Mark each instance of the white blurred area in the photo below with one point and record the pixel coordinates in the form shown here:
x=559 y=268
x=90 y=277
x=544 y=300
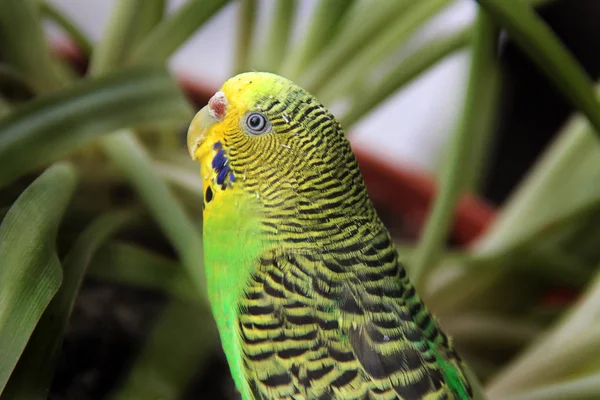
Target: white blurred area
x=410 y=129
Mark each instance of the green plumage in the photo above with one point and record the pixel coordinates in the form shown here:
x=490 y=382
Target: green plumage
x=305 y=283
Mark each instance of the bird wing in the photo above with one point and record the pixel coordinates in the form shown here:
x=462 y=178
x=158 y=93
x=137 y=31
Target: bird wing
x=341 y=327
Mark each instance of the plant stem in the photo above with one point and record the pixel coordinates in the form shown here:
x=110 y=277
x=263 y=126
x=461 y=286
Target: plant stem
x=545 y=49
x=84 y=44
x=407 y=70
x=451 y=183
x=278 y=36
x=390 y=38
x=324 y=22
x=174 y=30
x=245 y=32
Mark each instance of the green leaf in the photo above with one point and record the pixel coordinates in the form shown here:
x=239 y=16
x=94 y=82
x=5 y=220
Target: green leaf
x=131 y=265
x=268 y=56
x=245 y=33
x=23 y=43
x=30 y=271
x=556 y=197
x=177 y=346
x=130 y=22
x=546 y=50
x=460 y=160
x=357 y=29
x=182 y=178
x=149 y=15
x=54 y=125
x=32 y=377
x=562 y=183
x=130 y=157
x=379 y=47
x=402 y=74
x=323 y=25
x=174 y=30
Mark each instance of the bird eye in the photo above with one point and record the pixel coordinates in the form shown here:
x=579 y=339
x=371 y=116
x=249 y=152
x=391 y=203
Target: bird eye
x=256 y=123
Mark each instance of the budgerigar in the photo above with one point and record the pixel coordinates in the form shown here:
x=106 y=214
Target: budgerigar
x=304 y=281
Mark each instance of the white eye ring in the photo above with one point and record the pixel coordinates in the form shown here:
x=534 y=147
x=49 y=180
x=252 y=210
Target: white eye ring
x=256 y=123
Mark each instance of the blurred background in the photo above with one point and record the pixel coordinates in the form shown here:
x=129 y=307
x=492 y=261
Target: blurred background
x=475 y=124
x=420 y=120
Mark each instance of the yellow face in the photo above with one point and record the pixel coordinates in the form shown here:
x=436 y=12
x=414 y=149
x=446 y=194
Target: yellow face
x=264 y=140
x=219 y=122
x=251 y=132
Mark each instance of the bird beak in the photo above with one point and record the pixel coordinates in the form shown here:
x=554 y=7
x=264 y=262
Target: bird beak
x=198 y=130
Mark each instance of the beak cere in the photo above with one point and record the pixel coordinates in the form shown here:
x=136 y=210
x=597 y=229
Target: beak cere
x=209 y=115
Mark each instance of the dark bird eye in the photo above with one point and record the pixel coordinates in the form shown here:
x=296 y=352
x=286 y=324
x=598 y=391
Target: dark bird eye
x=256 y=123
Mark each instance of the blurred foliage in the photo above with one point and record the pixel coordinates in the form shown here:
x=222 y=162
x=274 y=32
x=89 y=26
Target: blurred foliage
x=79 y=153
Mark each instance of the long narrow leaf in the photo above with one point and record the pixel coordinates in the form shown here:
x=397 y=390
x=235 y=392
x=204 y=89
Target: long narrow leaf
x=545 y=49
x=278 y=36
x=380 y=46
x=52 y=126
x=126 y=152
x=150 y=14
x=452 y=182
x=357 y=29
x=323 y=24
x=129 y=156
x=30 y=271
x=405 y=72
x=174 y=30
x=245 y=32
x=24 y=44
x=119 y=36
x=32 y=377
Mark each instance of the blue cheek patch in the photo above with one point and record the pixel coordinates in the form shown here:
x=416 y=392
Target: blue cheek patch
x=221 y=166
x=222 y=175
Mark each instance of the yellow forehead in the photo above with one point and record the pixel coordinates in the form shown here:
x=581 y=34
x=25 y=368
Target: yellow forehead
x=243 y=90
